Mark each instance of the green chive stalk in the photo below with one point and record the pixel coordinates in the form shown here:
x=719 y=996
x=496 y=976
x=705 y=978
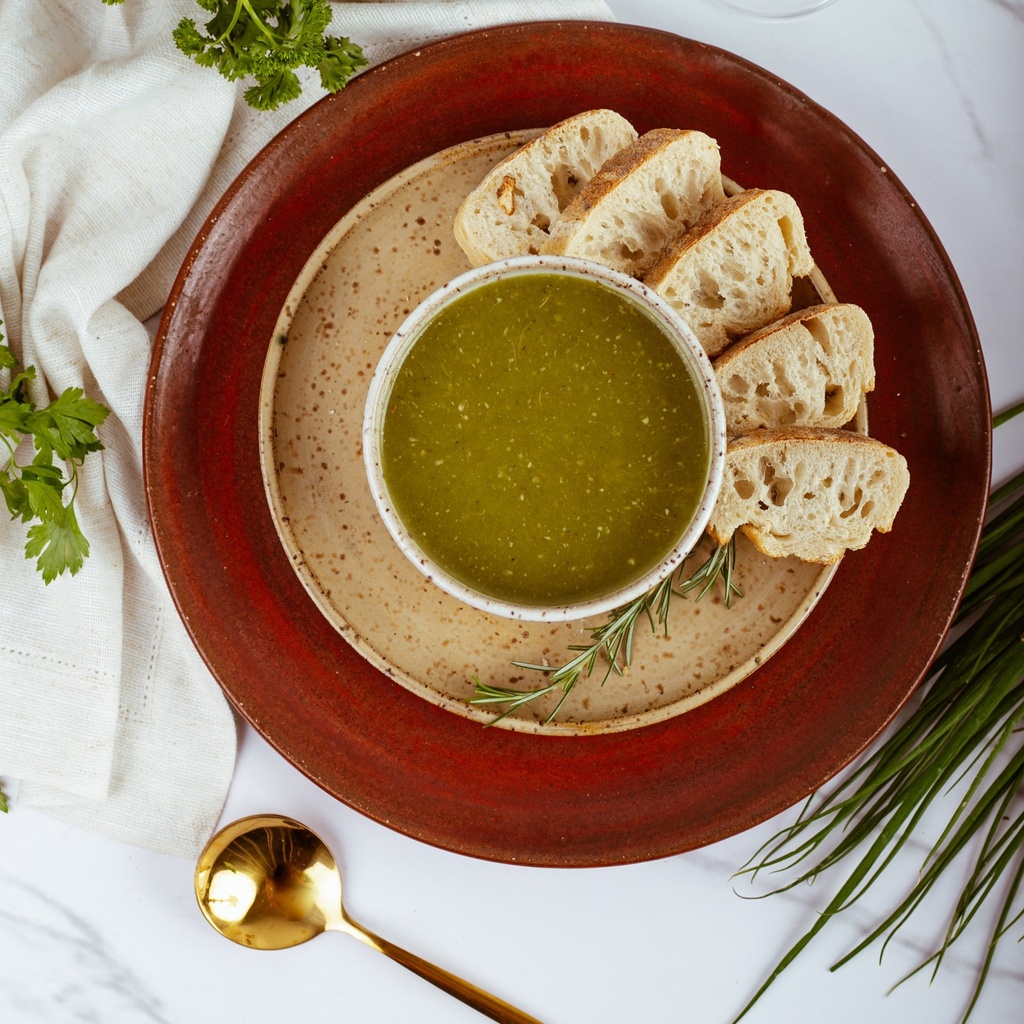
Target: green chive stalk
x=965 y=735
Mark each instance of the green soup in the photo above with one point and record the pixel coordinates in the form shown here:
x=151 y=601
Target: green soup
x=543 y=441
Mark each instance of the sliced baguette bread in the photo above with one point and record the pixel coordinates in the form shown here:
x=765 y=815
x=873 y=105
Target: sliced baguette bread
x=512 y=210
x=733 y=273
x=809 y=369
x=809 y=492
x=647 y=194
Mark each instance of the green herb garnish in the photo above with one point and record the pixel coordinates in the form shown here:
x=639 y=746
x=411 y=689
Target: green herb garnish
x=267 y=40
x=965 y=736
x=35 y=491
x=614 y=638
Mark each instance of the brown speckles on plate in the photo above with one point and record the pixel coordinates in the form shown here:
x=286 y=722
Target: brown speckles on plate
x=565 y=800
x=324 y=347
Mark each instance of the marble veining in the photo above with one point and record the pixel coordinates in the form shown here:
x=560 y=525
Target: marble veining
x=1012 y=7
x=952 y=69
x=93 y=930
x=55 y=968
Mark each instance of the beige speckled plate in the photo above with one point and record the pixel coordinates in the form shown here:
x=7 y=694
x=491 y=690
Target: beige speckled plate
x=379 y=262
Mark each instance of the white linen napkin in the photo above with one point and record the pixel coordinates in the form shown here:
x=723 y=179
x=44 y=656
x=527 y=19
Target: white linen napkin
x=113 y=149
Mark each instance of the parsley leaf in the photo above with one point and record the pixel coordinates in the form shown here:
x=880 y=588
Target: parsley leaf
x=58 y=544
x=68 y=424
x=65 y=429
x=267 y=40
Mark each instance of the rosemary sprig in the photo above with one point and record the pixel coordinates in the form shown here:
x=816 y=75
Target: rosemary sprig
x=614 y=638
x=965 y=735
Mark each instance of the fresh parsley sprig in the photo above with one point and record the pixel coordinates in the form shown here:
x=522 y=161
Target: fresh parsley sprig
x=267 y=40
x=64 y=430
x=614 y=638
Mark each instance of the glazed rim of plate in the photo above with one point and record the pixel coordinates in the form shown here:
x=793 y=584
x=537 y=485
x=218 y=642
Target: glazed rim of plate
x=501 y=795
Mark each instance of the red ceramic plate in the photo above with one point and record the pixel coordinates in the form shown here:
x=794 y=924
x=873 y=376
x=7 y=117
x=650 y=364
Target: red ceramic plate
x=505 y=795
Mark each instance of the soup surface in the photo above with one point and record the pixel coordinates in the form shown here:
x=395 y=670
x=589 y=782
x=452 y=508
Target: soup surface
x=543 y=441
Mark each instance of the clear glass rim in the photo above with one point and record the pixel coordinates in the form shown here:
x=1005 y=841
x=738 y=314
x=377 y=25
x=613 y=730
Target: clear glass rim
x=768 y=9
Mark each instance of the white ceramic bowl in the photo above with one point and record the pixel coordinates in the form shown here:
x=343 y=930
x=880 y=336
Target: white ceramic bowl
x=682 y=338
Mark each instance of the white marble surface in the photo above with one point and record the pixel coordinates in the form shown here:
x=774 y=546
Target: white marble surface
x=91 y=930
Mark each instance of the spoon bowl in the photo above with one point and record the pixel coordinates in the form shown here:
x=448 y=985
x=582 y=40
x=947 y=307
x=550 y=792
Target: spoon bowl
x=269 y=882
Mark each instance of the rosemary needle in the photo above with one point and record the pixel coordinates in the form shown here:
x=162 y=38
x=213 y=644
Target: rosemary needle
x=614 y=638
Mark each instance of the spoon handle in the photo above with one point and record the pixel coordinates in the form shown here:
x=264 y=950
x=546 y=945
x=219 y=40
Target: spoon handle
x=490 y=1006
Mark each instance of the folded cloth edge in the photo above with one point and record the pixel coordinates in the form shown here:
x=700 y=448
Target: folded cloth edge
x=385 y=29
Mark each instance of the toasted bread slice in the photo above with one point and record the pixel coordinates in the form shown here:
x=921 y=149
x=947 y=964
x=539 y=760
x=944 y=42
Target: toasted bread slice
x=733 y=273
x=808 y=369
x=512 y=210
x=809 y=492
x=647 y=194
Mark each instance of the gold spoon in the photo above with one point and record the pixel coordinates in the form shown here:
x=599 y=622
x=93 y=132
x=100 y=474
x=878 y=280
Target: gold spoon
x=269 y=882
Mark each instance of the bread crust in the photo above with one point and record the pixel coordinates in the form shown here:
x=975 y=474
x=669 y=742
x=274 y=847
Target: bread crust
x=616 y=170
x=512 y=210
x=812 y=367
x=622 y=218
x=811 y=492
x=733 y=272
